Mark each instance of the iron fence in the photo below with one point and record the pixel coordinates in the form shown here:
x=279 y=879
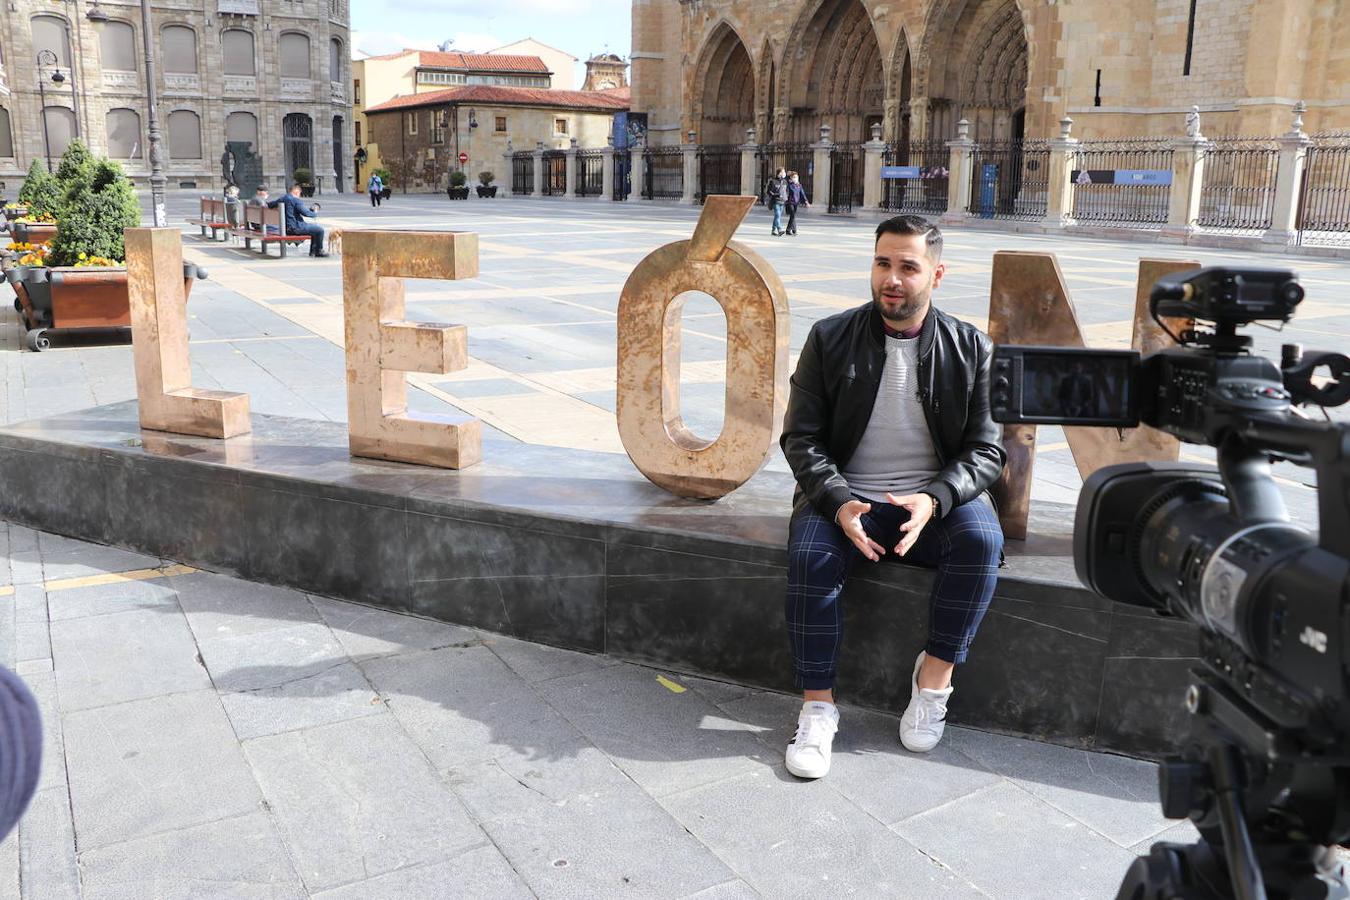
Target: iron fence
x=1010 y=179
x=555 y=173
x=1117 y=199
x=1237 y=187
x=719 y=170
x=590 y=173
x=798 y=157
x=925 y=195
x=846 y=177
x=522 y=173
x=623 y=175
x=663 y=173
x=1324 y=199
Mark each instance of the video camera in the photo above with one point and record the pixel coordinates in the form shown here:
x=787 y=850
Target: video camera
x=1266 y=778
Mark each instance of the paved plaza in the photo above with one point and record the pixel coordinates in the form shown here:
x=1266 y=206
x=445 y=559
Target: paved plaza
x=209 y=737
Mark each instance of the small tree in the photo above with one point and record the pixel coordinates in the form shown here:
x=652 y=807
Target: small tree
x=76 y=167
x=458 y=179
x=93 y=220
x=303 y=176
x=485 y=178
x=40 y=193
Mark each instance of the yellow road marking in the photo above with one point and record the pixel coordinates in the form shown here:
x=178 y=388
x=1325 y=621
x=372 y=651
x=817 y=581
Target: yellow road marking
x=670 y=685
x=6 y=590
x=65 y=584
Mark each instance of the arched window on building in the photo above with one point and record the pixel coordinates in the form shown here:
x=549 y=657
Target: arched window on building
x=6 y=135
x=185 y=135
x=117 y=47
x=124 y=134
x=335 y=60
x=51 y=33
x=60 y=121
x=242 y=126
x=179 y=44
x=294 y=55
x=236 y=46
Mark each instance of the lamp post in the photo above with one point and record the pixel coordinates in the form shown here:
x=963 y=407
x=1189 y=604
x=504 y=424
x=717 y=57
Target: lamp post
x=42 y=94
x=153 y=136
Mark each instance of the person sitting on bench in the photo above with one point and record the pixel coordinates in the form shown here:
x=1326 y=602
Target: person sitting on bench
x=259 y=198
x=296 y=212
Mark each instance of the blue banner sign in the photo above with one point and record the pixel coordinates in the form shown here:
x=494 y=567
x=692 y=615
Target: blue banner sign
x=900 y=172
x=1121 y=176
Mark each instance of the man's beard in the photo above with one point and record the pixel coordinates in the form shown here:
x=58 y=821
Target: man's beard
x=909 y=307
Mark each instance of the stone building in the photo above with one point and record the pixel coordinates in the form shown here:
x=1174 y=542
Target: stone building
x=272 y=74
x=420 y=137
x=605 y=72
x=1012 y=68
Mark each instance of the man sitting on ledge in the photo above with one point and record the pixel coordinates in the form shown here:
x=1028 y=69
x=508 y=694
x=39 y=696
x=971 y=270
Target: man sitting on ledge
x=295 y=220
x=889 y=435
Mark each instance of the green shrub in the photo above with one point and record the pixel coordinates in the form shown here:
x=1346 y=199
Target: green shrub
x=485 y=178
x=385 y=175
x=41 y=193
x=77 y=164
x=304 y=176
x=458 y=179
x=93 y=220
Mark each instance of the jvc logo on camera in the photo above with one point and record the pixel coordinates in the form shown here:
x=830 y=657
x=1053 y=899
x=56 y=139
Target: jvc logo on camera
x=1314 y=639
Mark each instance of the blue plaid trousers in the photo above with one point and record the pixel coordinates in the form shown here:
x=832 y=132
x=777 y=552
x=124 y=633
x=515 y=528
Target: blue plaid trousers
x=964 y=547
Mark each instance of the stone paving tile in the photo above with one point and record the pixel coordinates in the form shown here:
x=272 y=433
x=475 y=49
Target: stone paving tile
x=482 y=874
x=240 y=857
x=1114 y=795
x=788 y=838
x=575 y=826
x=9 y=867
x=539 y=662
x=103 y=599
x=333 y=694
x=150 y=766
x=381 y=805
x=221 y=606
x=666 y=742
x=463 y=705
x=124 y=656
x=43 y=686
x=93 y=560
x=366 y=632
x=270 y=659
x=48 y=867
x=1084 y=863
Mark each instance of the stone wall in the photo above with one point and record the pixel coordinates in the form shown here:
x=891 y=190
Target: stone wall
x=212 y=95
x=1250 y=62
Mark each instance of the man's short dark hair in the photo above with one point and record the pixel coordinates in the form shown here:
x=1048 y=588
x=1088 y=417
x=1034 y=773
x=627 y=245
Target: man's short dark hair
x=915 y=225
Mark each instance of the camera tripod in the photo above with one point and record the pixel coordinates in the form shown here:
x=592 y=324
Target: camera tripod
x=1265 y=811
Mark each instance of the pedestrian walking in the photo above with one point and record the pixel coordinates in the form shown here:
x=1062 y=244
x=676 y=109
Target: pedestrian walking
x=775 y=197
x=376 y=188
x=796 y=196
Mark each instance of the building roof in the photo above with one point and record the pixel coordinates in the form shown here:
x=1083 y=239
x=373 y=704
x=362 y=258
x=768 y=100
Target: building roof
x=615 y=100
x=473 y=62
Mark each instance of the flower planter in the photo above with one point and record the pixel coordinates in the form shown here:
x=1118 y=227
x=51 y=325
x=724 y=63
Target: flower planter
x=458 y=193
x=72 y=298
x=33 y=232
x=15 y=213
x=386 y=193
x=487 y=190
x=306 y=190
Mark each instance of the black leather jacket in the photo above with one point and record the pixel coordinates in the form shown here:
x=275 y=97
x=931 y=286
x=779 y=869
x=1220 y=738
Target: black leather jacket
x=835 y=387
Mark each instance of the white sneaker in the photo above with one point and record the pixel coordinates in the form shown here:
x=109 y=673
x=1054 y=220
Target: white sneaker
x=926 y=716
x=808 y=753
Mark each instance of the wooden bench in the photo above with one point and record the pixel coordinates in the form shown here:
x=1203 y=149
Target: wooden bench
x=267 y=226
x=212 y=219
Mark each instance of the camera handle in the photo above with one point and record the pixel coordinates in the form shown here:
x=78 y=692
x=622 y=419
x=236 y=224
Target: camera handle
x=1252 y=492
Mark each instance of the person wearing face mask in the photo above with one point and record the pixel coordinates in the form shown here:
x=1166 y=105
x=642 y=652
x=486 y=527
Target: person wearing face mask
x=775 y=197
x=889 y=435
x=796 y=196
